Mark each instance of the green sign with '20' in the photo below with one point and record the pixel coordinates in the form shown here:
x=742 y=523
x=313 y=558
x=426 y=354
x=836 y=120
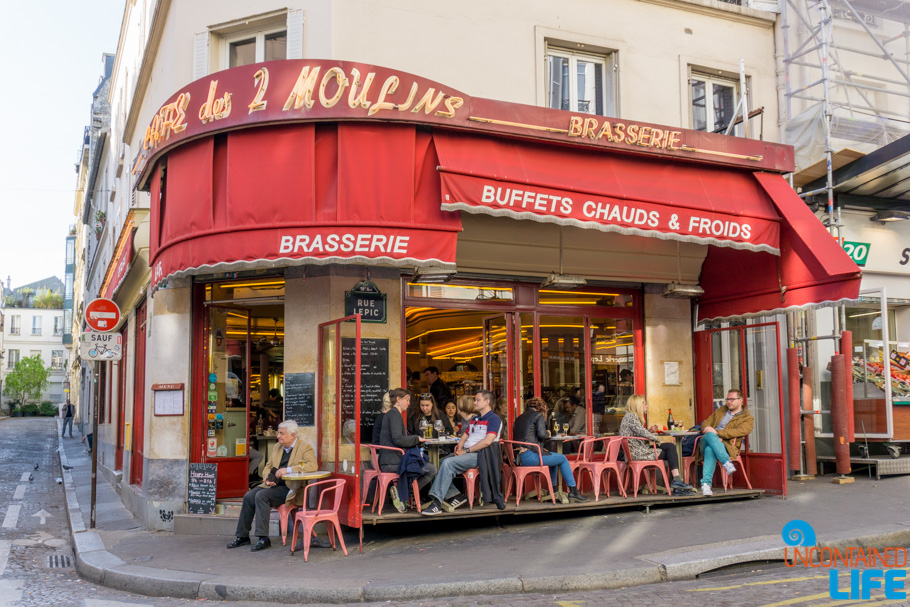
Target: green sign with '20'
x=858 y=251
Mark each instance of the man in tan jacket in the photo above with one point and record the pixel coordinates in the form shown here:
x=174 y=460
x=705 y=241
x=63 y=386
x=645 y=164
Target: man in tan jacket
x=289 y=455
x=723 y=434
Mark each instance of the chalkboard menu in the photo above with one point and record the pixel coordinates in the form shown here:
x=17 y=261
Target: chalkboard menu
x=374 y=381
x=200 y=497
x=300 y=398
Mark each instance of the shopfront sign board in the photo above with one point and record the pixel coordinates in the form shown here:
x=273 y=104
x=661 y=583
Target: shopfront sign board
x=366 y=299
x=101 y=346
x=200 y=493
x=102 y=315
x=168 y=399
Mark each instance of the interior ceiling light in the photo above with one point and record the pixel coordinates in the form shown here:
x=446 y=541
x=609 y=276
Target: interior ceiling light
x=885 y=216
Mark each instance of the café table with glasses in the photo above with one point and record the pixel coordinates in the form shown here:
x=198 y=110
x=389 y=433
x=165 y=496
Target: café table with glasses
x=558 y=441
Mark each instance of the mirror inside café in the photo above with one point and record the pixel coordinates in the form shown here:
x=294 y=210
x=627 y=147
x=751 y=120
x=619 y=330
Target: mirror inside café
x=245 y=351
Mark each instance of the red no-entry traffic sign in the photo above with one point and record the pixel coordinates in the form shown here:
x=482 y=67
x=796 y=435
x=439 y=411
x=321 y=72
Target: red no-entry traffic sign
x=102 y=315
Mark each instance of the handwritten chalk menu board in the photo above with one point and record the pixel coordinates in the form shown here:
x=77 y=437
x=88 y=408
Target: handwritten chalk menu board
x=374 y=381
x=300 y=398
x=200 y=495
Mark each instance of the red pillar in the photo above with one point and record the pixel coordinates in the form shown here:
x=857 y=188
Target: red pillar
x=793 y=392
x=839 y=414
x=846 y=348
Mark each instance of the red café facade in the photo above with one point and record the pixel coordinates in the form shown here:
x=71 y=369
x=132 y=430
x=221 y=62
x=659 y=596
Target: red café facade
x=287 y=195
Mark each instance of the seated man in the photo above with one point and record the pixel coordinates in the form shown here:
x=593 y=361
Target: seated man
x=722 y=437
x=483 y=429
x=289 y=455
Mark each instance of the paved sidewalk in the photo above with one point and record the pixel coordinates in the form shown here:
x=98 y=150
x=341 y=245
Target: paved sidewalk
x=458 y=558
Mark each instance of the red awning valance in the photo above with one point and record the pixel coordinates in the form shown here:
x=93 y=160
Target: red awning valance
x=607 y=192
x=812 y=270
x=295 y=194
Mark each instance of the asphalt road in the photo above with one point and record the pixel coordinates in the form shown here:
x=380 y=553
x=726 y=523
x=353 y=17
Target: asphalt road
x=36 y=556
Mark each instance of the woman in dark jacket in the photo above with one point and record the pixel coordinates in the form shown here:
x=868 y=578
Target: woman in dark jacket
x=425 y=410
x=531 y=427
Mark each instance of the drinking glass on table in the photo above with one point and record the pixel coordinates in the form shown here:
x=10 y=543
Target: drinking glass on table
x=422 y=427
x=440 y=428
x=565 y=429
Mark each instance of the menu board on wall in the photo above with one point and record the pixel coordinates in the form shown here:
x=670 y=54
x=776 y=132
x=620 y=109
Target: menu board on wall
x=200 y=495
x=374 y=381
x=300 y=398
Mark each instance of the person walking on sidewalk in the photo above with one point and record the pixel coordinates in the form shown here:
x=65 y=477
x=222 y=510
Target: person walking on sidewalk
x=483 y=430
x=722 y=437
x=289 y=455
x=69 y=412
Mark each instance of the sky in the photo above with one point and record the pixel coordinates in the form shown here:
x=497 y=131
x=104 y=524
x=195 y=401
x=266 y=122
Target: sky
x=45 y=103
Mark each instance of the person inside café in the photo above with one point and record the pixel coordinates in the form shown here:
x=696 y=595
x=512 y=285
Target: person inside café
x=633 y=425
x=482 y=431
x=450 y=415
x=425 y=413
x=438 y=388
x=722 y=437
x=290 y=455
x=578 y=417
x=394 y=434
x=531 y=427
x=272 y=409
x=598 y=406
x=377 y=422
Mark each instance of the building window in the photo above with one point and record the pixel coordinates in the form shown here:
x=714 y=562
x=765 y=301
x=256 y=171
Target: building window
x=56 y=359
x=36 y=325
x=580 y=82
x=15 y=325
x=13 y=359
x=248 y=48
x=34 y=353
x=58 y=325
x=713 y=103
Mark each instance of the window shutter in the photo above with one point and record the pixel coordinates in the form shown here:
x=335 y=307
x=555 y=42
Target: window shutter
x=295 y=33
x=200 y=55
x=610 y=86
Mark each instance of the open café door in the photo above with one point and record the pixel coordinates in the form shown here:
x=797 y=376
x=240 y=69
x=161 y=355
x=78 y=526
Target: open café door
x=339 y=410
x=499 y=364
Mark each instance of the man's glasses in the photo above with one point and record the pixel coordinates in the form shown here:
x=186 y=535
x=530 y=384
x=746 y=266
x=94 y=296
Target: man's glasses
x=732 y=399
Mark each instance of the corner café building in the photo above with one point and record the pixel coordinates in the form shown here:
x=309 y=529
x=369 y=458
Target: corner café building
x=289 y=196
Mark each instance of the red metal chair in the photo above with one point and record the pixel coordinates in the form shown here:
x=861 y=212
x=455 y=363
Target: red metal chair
x=308 y=519
x=598 y=468
x=727 y=479
x=646 y=467
x=520 y=473
x=690 y=462
x=383 y=480
x=285 y=511
x=471 y=478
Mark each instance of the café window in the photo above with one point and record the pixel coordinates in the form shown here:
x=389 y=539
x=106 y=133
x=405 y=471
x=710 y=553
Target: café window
x=713 y=103
x=581 y=82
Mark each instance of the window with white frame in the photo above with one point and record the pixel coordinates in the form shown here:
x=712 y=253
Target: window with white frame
x=56 y=359
x=713 y=103
x=58 y=325
x=35 y=353
x=36 y=325
x=15 y=324
x=12 y=359
x=247 y=48
x=581 y=82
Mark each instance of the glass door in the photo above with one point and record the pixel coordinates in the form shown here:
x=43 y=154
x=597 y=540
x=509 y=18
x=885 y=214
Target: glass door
x=339 y=393
x=226 y=414
x=499 y=366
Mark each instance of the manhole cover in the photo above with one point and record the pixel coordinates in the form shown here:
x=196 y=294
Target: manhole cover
x=59 y=561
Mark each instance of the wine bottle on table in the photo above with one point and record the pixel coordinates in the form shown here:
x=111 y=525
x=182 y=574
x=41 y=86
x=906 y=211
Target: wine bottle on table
x=669 y=419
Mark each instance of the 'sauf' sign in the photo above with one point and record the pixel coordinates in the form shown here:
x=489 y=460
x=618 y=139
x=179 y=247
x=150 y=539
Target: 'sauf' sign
x=101 y=346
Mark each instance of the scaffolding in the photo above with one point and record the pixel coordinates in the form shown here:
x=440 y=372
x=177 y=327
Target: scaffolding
x=846 y=85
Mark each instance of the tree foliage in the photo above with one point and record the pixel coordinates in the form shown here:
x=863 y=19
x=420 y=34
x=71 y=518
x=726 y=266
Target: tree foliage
x=48 y=300
x=28 y=379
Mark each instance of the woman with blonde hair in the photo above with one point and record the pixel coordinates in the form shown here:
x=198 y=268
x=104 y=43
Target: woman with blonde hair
x=633 y=425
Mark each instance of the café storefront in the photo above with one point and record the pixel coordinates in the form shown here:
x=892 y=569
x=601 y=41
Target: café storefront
x=527 y=250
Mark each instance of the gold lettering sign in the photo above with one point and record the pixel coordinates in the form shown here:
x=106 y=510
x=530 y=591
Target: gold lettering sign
x=215 y=108
x=620 y=132
x=171 y=118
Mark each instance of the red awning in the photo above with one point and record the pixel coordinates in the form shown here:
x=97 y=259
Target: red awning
x=812 y=268
x=607 y=192
x=301 y=194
